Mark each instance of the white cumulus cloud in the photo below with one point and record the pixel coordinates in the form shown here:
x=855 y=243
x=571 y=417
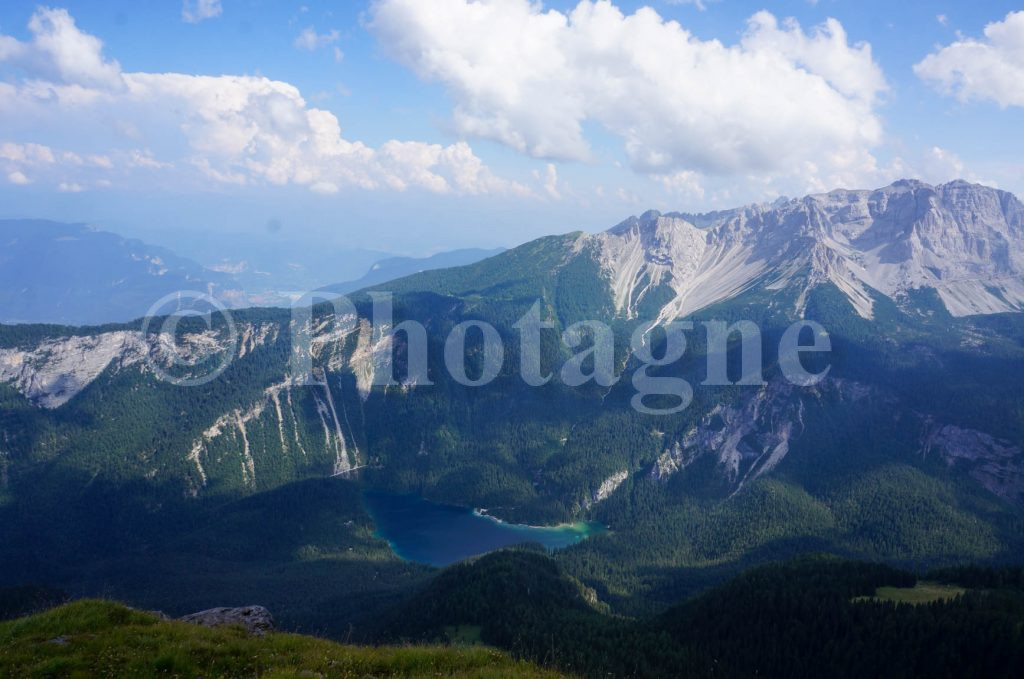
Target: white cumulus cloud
x=310 y=40
x=699 y=4
x=61 y=53
x=194 y=11
x=683 y=183
x=989 y=68
x=27 y=154
x=781 y=102
x=238 y=130
x=549 y=181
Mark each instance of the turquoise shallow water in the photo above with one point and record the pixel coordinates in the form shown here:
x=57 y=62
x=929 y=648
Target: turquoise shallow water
x=439 y=534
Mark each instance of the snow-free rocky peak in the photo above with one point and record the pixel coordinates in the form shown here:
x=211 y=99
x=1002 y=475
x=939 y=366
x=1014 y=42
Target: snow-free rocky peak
x=965 y=241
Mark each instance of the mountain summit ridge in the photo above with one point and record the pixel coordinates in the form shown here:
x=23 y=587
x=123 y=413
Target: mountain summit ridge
x=965 y=241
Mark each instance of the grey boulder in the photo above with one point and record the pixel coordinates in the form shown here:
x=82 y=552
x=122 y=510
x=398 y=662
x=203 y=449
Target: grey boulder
x=256 y=620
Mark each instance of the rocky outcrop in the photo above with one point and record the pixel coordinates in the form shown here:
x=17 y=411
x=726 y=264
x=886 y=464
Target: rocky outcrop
x=57 y=369
x=607 y=487
x=253 y=336
x=280 y=407
x=256 y=620
x=363 y=359
x=674 y=459
x=751 y=436
x=965 y=241
x=640 y=254
x=995 y=463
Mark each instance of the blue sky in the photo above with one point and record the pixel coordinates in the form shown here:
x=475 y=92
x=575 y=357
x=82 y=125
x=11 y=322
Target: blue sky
x=457 y=124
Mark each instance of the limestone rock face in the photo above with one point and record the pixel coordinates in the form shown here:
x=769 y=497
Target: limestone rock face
x=53 y=372
x=750 y=437
x=607 y=487
x=256 y=620
x=964 y=241
x=994 y=463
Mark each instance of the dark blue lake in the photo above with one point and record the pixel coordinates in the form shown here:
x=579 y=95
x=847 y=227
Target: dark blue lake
x=439 y=534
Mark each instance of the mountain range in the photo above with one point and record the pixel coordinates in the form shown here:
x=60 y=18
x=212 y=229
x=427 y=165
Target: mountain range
x=908 y=452
x=391 y=268
x=77 y=274
x=74 y=274
x=962 y=241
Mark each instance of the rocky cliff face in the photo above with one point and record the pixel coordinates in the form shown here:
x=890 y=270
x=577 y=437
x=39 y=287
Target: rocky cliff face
x=965 y=241
x=55 y=370
x=51 y=372
x=996 y=464
x=750 y=437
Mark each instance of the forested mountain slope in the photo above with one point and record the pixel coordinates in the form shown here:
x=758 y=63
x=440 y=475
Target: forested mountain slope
x=814 y=616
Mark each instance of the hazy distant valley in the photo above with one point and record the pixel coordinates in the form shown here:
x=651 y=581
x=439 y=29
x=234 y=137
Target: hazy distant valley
x=76 y=274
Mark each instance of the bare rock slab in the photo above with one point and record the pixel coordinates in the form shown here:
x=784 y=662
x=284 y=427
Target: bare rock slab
x=256 y=620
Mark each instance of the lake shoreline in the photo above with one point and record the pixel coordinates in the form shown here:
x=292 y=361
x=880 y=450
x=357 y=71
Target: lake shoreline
x=438 y=534
x=570 y=525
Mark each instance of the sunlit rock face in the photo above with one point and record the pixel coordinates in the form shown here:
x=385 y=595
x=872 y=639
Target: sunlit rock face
x=965 y=241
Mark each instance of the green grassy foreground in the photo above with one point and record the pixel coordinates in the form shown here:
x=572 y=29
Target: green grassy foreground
x=92 y=638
